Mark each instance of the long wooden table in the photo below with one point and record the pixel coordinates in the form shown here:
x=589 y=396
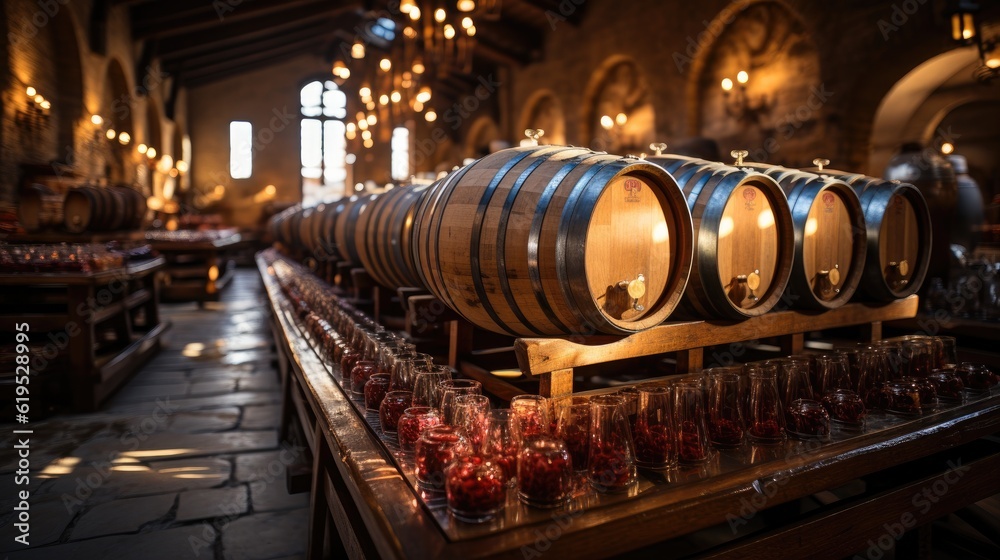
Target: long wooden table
x=745 y=502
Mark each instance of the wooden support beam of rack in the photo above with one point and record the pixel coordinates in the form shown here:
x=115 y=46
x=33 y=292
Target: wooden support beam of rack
x=538 y=356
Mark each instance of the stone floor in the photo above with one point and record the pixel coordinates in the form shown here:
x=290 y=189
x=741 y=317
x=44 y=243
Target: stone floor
x=183 y=462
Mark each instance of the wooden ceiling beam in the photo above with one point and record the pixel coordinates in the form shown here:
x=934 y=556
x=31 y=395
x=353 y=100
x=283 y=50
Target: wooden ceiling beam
x=224 y=35
x=168 y=18
x=194 y=76
x=250 y=46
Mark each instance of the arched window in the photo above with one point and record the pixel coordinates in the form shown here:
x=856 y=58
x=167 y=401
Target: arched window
x=324 y=172
x=400 y=153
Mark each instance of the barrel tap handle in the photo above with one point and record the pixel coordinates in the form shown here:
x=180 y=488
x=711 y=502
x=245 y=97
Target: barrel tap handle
x=739 y=155
x=902 y=268
x=820 y=163
x=832 y=277
x=658 y=148
x=534 y=134
x=636 y=289
x=752 y=281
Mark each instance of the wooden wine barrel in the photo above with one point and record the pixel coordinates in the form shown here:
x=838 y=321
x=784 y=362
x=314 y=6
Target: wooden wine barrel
x=383 y=237
x=550 y=240
x=305 y=230
x=899 y=235
x=744 y=238
x=285 y=225
x=133 y=209
x=89 y=209
x=830 y=237
x=346 y=227
x=332 y=214
x=39 y=207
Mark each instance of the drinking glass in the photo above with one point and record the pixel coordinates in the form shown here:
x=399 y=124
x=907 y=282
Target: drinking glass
x=689 y=416
x=611 y=458
x=653 y=431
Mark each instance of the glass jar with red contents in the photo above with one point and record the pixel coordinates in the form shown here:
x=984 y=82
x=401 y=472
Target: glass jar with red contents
x=412 y=423
x=392 y=408
x=875 y=372
x=765 y=423
x=725 y=412
x=902 y=397
x=845 y=407
x=977 y=377
x=611 y=461
x=501 y=443
x=948 y=384
x=653 y=432
x=807 y=419
x=689 y=417
x=529 y=416
x=476 y=488
x=544 y=472
x=926 y=390
x=360 y=374
x=347 y=360
x=436 y=449
x=631 y=396
x=375 y=390
x=573 y=427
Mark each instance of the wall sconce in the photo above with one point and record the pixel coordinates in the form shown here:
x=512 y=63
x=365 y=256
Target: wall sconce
x=35 y=113
x=737 y=100
x=615 y=128
x=966 y=30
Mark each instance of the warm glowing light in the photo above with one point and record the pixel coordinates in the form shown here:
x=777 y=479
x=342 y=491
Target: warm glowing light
x=151 y=153
x=124 y=138
x=466 y=5
x=415 y=13
x=418 y=67
x=607 y=122
x=369 y=143
x=340 y=70
x=365 y=91
x=370 y=105
x=45 y=104
x=383 y=99
x=366 y=135
x=395 y=97
x=350 y=134
x=63 y=465
x=471 y=31
x=726 y=227
x=742 y=77
x=621 y=119
x=449 y=31
x=32 y=92
x=141 y=148
x=812 y=226
x=466 y=22
x=385 y=64
x=359 y=187
x=993 y=62
x=439 y=15
x=182 y=166
x=765 y=219
x=350 y=159
x=363 y=124
x=157 y=453
x=219 y=190
x=424 y=95
x=661 y=233
x=418 y=106
x=947 y=148
x=360 y=116
x=39 y=98
x=430 y=115
x=372 y=119
x=270 y=190
x=213 y=273
x=358 y=49
x=727 y=84
x=110 y=134
x=98 y=120
x=173 y=172
x=350 y=127
x=967 y=34
x=406 y=5
x=409 y=32
x=154 y=203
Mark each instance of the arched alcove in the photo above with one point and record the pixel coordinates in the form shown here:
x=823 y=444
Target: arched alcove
x=543 y=110
x=68 y=98
x=616 y=88
x=483 y=131
x=117 y=109
x=777 y=113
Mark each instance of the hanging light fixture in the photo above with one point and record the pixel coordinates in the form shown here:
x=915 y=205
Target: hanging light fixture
x=966 y=30
x=358 y=49
x=466 y=5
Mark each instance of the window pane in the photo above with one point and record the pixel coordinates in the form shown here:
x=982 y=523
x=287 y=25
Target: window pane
x=335 y=104
x=334 y=153
x=312 y=143
x=310 y=94
x=400 y=154
x=240 y=149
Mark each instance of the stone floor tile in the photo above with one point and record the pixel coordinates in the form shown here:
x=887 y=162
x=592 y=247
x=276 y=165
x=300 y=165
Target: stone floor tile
x=271 y=495
x=183 y=543
x=266 y=536
x=122 y=516
x=261 y=417
x=215 y=502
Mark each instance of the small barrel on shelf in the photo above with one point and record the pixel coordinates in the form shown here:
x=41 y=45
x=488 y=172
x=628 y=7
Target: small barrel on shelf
x=830 y=237
x=88 y=208
x=345 y=229
x=744 y=238
x=555 y=240
x=39 y=208
x=898 y=240
x=134 y=207
x=383 y=237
